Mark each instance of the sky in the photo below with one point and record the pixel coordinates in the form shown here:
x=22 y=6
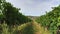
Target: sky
x=34 y=7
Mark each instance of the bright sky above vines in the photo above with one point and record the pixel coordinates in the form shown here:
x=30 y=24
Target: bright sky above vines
x=34 y=7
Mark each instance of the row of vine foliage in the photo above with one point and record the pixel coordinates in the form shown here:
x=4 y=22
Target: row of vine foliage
x=51 y=20
x=11 y=14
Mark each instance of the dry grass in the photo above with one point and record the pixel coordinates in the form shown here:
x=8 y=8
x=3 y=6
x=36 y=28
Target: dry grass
x=27 y=28
x=34 y=28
